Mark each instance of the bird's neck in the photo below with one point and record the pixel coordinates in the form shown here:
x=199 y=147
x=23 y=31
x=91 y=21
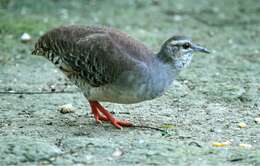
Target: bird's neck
x=162 y=76
x=167 y=60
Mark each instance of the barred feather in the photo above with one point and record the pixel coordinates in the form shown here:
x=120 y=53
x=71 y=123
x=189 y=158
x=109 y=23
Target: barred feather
x=95 y=55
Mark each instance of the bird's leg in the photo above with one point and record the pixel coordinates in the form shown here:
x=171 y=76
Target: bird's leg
x=107 y=116
x=98 y=117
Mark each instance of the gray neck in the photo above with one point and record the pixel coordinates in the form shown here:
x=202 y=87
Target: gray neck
x=164 y=70
x=164 y=58
x=162 y=75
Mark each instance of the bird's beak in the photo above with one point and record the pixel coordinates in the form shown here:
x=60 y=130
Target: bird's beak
x=199 y=48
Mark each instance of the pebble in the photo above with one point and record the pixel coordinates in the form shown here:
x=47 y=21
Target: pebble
x=53 y=88
x=67 y=108
x=25 y=38
x=141 y=141
x=257 y=120
x=117 y=153
x=177 y=18
x=242 y=125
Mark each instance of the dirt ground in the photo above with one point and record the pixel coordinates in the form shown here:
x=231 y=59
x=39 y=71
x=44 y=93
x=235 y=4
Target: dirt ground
x=205 y=105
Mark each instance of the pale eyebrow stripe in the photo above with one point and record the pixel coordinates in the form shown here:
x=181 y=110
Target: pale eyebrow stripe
x=180 y=42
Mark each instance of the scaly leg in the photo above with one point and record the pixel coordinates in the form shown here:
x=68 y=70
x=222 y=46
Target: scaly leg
x=101 y=114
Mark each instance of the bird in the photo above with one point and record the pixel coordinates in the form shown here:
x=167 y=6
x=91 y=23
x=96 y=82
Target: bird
x=109 y=65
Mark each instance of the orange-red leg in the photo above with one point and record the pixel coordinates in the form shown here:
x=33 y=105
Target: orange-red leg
x=98 y=117
x=101 y=114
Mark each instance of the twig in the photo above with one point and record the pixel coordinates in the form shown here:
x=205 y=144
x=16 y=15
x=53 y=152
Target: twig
x=236 y=159
x=32 y=93
x=149 y=127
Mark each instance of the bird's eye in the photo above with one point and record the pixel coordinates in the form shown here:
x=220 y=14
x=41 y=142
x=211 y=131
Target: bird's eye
x=186 y=45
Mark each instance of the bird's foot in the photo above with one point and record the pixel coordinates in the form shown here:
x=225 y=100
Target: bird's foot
x=120 y=123
x=101 y=114
x=99 y=117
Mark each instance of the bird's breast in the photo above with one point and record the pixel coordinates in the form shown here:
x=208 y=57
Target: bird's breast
x=130 y=87
x=126 y=90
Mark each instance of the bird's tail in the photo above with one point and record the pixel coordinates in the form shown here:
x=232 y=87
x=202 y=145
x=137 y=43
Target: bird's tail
x=36 y=50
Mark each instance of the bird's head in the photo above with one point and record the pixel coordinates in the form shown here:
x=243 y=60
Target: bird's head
x=178 y=50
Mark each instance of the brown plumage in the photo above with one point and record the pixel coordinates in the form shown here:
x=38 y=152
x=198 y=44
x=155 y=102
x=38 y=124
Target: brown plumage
x=98 y=55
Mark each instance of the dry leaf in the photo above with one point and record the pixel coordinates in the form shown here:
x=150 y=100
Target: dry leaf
x=167 y=126
x=221 y=144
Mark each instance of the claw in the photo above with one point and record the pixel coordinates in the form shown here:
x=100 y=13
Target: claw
x=119 y=124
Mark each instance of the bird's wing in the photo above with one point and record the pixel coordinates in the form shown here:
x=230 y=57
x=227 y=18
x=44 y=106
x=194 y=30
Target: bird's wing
x=96 y=58
x=99 y=59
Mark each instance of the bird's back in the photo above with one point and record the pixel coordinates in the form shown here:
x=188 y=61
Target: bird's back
x=55 y=38
x=99 y=54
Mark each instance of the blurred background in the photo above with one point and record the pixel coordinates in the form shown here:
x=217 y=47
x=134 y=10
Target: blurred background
x=207 y=104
